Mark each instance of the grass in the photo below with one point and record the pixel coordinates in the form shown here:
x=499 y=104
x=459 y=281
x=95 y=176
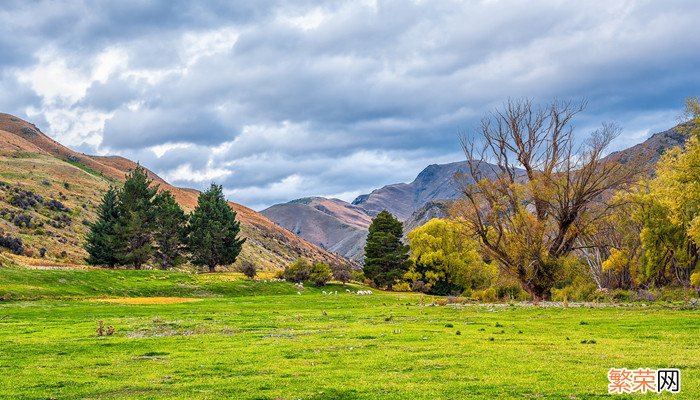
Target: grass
x=258 y=340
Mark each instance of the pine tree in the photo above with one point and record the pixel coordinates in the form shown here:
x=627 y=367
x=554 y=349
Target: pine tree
x=134 y=230
x=213 y=230
x=170 y=231
x=386 y=258
x=100 y=242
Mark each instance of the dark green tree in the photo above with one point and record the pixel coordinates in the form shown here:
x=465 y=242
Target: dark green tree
x=100 y=242
x=213 y=238
x=170 y=233
x=135 y=227
x=386 y=257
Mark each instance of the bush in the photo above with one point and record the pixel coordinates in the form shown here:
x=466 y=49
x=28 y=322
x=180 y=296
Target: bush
x=248 y=269
x=401 y=287
x=56 y=205
x=342 y=273
x=621 y=295
x=695 y=279
x=13 y=244
x=320 y=274
x=487 y=295
x=420 y=286
x=298 y=271
x=358 y=276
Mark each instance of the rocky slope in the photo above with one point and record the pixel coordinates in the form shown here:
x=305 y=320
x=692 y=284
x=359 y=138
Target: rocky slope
x=32 y=165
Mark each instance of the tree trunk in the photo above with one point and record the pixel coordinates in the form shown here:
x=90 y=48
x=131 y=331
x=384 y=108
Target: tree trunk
x=212 y=267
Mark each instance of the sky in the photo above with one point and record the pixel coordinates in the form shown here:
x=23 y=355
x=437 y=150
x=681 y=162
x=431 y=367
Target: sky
x=279 y=100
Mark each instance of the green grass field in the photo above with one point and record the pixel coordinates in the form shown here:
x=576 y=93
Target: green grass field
x=249 y=340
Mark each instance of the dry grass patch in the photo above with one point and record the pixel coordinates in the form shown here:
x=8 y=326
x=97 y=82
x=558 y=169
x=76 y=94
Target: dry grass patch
x=151 y=300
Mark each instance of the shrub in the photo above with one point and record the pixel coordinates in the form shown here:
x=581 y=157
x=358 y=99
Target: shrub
x=13 y=244
x=487 y=295
x=42 y=252
x=298 y=271
x=25 y=199
x=621 y=295
x=320 y=274
x=420 y=286
x=342 y=273
x=401 y=287
x=248 y=269
x=695 y=279
x=358 y=276
x=56 y=205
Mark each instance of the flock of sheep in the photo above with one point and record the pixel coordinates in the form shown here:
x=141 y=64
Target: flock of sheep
x=300 y=287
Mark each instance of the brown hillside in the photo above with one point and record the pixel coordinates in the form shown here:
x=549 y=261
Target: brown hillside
x=31 y=160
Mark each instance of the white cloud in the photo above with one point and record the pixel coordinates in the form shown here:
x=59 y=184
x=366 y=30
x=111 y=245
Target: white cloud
x=279 y=100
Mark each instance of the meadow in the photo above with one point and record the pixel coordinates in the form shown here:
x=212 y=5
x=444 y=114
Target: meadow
x=186 y=336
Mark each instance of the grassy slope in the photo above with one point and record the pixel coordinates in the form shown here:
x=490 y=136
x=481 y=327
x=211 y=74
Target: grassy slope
x=32 y=158
x=263 y=341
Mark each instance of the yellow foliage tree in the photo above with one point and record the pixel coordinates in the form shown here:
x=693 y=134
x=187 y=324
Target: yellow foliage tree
x=446 y=259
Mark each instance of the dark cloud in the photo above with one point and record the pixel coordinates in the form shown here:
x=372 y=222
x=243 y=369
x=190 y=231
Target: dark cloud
x=278 y=100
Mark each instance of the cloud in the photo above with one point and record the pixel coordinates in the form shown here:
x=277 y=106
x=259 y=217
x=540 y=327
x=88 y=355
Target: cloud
x=277 y=100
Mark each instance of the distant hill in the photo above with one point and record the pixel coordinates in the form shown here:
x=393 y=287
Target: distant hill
x=34 y=164
x=430 y=195
x=341 y=227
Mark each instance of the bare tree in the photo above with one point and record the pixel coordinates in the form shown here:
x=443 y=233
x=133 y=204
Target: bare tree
x=533 y=189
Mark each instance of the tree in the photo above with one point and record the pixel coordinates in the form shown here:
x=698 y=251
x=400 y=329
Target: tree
x=342 y=272
x=386 y=258
x=320 y=273
x=669 y=210
x=170 y=231
x=135 y=225
x=298 y=271
x=611 y=246
x=100 y=242
x=529 y=189
x=213 y=238
x=446 y=259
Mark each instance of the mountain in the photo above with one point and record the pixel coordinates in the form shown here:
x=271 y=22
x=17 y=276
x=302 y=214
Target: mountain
x=332 y=224
x=652 y=148
x=429 y=196
x=435 y=182
x=341 y=227
x=36 y=172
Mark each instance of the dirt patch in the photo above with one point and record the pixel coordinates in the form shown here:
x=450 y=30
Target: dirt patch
x=151 y=300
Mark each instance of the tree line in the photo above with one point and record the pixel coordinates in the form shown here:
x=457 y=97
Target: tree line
x=546 y=214
x=138 y=225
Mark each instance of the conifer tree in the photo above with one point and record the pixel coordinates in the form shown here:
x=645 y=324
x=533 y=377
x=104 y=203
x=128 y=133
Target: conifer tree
x=386 y=258
x=170 y=231
x=213 y=237
x=101 y=242
x=134 y=230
